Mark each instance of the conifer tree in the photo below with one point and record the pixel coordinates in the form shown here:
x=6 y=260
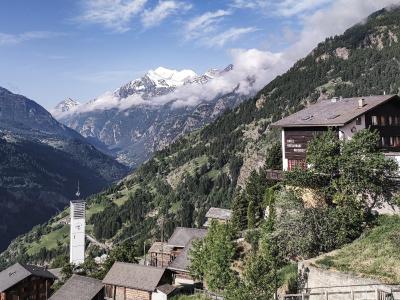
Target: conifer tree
x=239 y=211
x=251 y=215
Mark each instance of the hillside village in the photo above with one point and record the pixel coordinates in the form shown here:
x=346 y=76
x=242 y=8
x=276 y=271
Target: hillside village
x=293 y=194
x=327 y=147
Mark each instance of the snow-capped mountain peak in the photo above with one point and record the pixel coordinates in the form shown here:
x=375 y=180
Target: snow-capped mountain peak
x=64 y=106
x=143 y=90
x=212 y=73
x=141 y=117
x=171 y=78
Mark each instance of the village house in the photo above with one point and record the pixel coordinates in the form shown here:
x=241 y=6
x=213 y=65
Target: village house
x=183 y=238
x=80 y=287
x=174 y=254
x=22 y=281
x=137 y=282
x=220 y=215
x=345 y=116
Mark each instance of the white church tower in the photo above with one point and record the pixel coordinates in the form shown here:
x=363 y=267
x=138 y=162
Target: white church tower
x=77 y=233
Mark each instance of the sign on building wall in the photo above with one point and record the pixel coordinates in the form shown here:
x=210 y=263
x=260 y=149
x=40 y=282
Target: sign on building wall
x=296 y=143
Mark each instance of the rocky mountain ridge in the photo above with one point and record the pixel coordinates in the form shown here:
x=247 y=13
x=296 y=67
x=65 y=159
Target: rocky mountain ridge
x=41 y=161
x=135 y=120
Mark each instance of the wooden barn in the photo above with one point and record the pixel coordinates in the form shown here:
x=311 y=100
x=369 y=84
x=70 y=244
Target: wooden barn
x=220 y=215
x=137 y=282
x=22 y=281
x=161 y=254
x=183 y=238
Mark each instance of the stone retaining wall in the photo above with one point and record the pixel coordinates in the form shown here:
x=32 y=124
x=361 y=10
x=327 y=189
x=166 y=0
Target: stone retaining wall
x=318 y=280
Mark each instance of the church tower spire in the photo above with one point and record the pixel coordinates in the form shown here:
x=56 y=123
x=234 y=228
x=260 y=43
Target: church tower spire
x=77 y=230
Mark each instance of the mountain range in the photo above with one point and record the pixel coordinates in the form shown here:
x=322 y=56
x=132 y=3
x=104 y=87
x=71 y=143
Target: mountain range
x=41 y=162
x=207 y=167
x=146 y=114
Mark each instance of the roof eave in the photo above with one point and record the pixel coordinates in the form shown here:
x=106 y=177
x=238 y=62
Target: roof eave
x=129 y=286
x=178 y=269
x=311 y=125
x=277 y=125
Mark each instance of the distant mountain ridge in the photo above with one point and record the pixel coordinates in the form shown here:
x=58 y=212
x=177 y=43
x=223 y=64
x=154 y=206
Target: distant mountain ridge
x=41 y=161
x=141 y=117
x=64 y=107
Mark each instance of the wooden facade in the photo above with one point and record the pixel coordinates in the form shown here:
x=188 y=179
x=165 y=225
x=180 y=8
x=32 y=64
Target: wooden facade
x=297 y=139
x=296 y=143
x=125 y=293
x=134 y=282
x=162 y=260
x=162 y=255
x=386 y=120
x=32 y=288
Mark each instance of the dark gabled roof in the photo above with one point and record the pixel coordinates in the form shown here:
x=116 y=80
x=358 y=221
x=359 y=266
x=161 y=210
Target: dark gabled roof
x=166 y=288
x=219 y=213
x=188 y=235
x=182 y=236
x=56 y=272
x=17 y=272
x=78 y=288
x=182 y=262
x=331 y=113
x=134 y=276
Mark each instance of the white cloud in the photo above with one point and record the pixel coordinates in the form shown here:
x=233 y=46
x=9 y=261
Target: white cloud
x=253 y=68
x=204 y=29
x=205 y=23
x=12 y=39
x=163 y=10
x=253 y=4
x=113 y=14
x=263 y=66
x=333 y=20
x=286 y=8
x=229 y=35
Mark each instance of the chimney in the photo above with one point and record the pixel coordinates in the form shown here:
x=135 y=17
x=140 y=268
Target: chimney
x=334 y=99
x=361 y=103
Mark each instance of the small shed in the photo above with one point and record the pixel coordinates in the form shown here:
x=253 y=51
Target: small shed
x=161 y=254
x=80 y=287
x=134 y=282
x=22 y=281
x=217 y=214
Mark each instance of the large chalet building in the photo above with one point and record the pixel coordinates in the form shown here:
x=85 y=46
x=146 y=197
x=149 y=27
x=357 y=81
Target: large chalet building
x=345 y=116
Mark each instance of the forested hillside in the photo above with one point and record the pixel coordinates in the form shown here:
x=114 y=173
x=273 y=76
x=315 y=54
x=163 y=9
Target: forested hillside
x=207 y=167
x=41 y=162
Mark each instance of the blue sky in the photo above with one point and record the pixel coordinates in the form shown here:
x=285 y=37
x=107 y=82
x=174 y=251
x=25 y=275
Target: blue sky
x=53 y=49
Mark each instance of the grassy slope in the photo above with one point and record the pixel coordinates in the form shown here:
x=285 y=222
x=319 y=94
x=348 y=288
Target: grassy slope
x=376 y=254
